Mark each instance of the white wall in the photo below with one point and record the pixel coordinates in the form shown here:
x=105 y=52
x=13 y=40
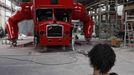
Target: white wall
x=4 y=14
x=120 y=10
x=3 y=1
x=2 y=18
x=26 y=26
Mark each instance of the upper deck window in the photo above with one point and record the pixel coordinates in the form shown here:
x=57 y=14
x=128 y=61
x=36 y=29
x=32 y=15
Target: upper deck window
x=54 y=1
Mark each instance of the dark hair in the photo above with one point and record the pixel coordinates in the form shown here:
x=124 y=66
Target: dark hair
x=113 y=73
x=102 y=57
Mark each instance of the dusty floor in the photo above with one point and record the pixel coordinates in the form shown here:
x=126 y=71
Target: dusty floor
x=28 y=61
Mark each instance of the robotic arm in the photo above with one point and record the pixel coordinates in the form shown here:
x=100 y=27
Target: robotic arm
x=24 y=13
x=80 y=13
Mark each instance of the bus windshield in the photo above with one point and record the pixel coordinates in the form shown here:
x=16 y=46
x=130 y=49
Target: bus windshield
x=61 y=15
x=43 y=14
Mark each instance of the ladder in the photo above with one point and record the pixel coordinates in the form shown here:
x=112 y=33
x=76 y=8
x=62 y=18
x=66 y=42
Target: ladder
x=129 y=30
x=130 y=34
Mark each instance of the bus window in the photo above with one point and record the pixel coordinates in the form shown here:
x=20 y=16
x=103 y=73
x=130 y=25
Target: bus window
x=61 y=15
x=43 y=14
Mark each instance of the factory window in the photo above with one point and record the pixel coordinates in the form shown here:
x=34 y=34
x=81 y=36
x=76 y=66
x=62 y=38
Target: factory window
x=61 y=15
x=43 y=14
x=54 y=1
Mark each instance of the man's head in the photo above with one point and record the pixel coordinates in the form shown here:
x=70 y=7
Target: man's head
x=102 y=58
x=113 y=73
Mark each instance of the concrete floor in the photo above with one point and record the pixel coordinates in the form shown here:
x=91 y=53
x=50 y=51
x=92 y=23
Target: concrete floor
x=28 y=61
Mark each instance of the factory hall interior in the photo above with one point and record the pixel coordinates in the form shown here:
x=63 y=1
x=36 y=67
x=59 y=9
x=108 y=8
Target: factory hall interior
x=66 y=37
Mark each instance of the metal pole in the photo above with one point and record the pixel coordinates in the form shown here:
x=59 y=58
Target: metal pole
x=99 y=11
x=125 y=40
x=4 y=18
x=116 y=13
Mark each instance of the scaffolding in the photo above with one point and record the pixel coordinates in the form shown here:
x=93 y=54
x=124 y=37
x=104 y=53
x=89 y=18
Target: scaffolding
x=104 y=14
x=124 y=2
x=6 y=9
x=129 y=24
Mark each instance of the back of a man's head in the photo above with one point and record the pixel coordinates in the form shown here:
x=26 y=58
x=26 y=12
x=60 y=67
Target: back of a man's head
x=113 y=73
x=102 y=57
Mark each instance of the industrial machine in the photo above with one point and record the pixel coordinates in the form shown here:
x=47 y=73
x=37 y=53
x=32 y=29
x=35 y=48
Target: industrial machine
x=52 y=21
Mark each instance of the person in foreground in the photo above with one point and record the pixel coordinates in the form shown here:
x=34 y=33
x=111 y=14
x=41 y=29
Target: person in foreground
x=102 y=58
